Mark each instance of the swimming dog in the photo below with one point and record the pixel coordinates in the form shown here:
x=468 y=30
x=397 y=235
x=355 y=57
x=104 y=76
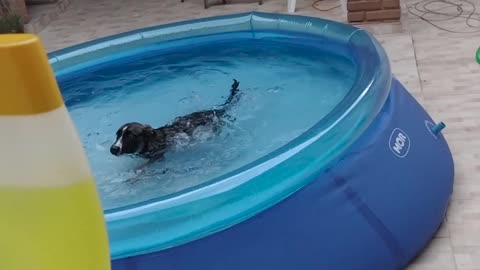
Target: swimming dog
x=144 y=141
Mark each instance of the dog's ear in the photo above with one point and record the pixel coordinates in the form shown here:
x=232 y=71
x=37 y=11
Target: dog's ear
x=148 y=131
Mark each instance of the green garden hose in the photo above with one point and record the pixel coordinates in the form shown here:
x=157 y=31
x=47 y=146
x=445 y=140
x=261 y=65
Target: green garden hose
x=478 y=55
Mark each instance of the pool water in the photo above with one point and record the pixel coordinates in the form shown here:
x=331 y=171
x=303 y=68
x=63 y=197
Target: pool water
x=285 y=88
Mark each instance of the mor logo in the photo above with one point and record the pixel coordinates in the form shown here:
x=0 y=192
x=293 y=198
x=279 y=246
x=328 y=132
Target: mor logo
x=399 y=143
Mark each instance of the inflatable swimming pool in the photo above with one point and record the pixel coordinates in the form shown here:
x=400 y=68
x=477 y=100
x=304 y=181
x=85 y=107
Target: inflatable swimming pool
x=365 y=187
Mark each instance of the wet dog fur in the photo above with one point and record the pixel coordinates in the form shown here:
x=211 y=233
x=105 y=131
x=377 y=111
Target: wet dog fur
x=152 y=143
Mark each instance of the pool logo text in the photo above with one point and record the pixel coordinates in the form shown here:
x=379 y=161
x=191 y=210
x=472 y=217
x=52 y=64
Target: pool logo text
x=399 y=143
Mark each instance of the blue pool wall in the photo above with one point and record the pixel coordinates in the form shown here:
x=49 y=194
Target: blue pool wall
x=373 y=208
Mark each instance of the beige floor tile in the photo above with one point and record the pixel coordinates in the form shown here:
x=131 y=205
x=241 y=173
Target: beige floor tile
x=464 y=211
x=448 y=67
x=397 y=46
x=467 y=257
x=437 y=256
x=464 y=234
x=399 y=49
x=443 y=232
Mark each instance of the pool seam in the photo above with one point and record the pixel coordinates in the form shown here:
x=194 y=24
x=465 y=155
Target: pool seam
x=370 y=217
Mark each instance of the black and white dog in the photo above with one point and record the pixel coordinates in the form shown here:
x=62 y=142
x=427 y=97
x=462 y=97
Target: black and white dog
x=144 y=141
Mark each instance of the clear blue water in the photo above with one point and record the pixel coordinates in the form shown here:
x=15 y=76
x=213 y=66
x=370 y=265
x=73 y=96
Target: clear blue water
x=285 y=90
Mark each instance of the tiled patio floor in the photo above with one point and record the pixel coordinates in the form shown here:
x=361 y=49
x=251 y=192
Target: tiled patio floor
x=437 y=66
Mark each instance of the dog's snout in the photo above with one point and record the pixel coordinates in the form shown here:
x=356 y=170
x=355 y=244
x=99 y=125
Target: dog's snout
x=115 y=150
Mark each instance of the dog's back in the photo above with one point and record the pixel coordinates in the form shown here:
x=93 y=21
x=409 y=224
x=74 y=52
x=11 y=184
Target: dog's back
x=190 y=122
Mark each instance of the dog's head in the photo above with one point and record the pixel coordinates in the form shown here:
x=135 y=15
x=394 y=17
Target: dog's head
x=131 y=138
